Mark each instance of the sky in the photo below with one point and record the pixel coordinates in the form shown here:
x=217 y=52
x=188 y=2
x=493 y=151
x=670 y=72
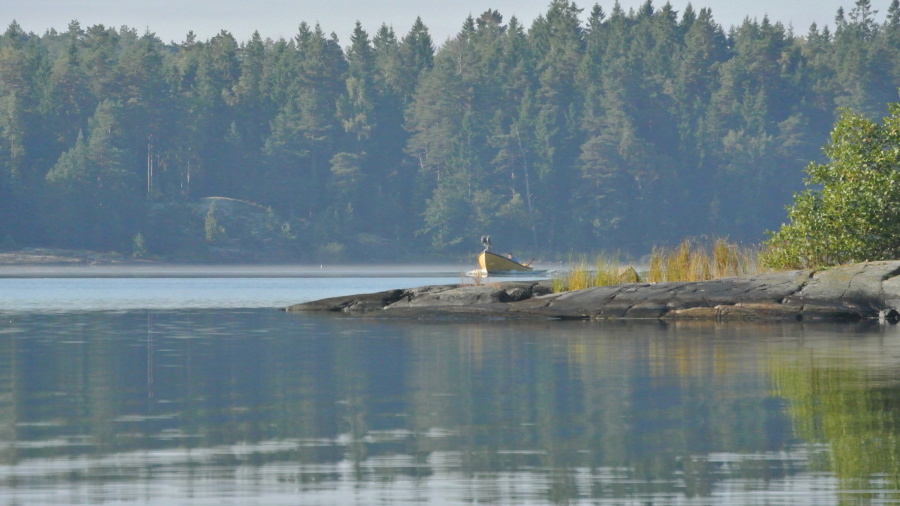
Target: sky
x=171 y=20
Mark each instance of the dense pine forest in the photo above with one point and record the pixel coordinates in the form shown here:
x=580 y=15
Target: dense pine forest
x=592 y=129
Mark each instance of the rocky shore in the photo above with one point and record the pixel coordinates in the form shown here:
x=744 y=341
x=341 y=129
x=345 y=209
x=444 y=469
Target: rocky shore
x=53 y=256
x=863 y=291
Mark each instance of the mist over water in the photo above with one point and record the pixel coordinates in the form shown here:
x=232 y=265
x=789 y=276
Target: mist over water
x=230 y=271
x=92 y=288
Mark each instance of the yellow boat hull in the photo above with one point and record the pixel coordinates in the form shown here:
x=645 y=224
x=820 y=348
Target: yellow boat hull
x=492 y=262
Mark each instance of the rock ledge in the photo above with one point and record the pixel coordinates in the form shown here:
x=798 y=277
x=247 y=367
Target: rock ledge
x=852 y=292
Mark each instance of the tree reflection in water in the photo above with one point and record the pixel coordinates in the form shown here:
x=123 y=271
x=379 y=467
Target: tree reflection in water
x=853 y=410
x=251 y=403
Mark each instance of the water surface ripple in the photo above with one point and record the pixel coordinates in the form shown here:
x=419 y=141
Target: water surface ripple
x=179 y=390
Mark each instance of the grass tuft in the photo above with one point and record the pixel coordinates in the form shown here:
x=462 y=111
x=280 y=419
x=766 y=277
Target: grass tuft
x=604 y=272
x=690 y=260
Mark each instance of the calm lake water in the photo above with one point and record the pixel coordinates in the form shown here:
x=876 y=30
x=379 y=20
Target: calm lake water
x=189 y=386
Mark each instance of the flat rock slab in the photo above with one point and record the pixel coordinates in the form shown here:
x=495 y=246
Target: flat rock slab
x=852 y=292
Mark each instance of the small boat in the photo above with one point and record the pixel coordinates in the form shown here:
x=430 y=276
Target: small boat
x=492 y=263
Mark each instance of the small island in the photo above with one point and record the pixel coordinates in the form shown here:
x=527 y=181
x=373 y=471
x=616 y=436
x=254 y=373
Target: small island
x=863 y=291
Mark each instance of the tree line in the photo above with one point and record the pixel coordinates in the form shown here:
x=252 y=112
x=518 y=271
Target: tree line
x=589 y=130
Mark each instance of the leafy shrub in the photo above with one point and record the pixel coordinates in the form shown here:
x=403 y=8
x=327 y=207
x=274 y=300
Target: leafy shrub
x=850 y=211
x=214 y=231
x=139 y=246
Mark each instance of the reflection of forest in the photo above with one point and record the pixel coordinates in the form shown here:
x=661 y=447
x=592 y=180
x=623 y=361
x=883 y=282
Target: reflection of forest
x=852 y=408
x=597 y=410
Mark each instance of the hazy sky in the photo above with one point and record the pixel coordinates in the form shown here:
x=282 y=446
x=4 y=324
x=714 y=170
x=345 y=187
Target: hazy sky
x=172 y=19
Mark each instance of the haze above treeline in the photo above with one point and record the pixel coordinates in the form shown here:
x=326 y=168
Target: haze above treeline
x=617 y=133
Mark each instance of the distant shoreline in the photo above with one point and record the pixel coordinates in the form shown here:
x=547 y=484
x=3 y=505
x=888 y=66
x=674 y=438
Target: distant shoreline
x=60 y=257
x=45 y=263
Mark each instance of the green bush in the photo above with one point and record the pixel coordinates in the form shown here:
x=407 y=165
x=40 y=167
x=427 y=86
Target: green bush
x=139 y=246
x=214 y=231
x=850 y=211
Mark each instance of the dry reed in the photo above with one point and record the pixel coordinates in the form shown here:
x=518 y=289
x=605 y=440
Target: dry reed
x=693 y=261
x=605 y=271
x=690 y=260
x=477 y=277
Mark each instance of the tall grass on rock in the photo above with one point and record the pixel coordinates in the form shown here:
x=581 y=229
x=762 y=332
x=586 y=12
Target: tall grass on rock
x=690 y=260
x=605 y=271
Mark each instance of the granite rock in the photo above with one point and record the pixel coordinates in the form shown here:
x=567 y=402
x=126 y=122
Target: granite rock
x=868 y=290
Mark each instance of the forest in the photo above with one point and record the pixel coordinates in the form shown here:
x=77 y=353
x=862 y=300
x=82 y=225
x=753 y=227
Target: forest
x=590 y=130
